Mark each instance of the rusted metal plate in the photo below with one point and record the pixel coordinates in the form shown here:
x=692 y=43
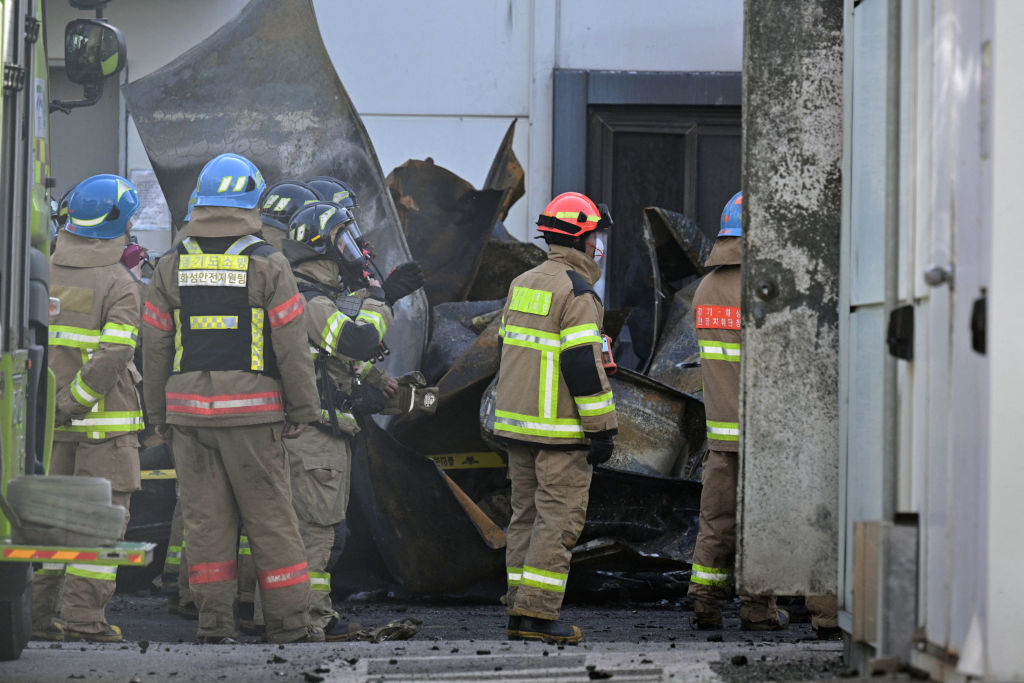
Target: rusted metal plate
x=423 y=535
x=677 y=360
x=506 y=174
x=215 y=98
x=446 y=222
x=660 y=429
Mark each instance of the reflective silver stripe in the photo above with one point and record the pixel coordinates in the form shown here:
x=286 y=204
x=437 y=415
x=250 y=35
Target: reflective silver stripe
x=242 y=243
x=711 y=576
x=593 y=334
x=71 y=336
x=569 y=429
x=540 y=578
x=53 y=566
x=533 y=339
x=597 y=405
x=233 y=403
x=110 y=421
x=723 y=431
x=549 y=383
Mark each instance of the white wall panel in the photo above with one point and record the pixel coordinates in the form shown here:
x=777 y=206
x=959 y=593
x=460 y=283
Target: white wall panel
x=438 y=57
x=646 y=35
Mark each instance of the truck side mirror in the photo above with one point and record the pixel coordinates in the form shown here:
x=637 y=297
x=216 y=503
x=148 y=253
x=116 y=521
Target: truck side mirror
x=93 y=51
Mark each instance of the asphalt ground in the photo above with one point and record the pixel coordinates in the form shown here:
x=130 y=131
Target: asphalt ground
x=456 y=642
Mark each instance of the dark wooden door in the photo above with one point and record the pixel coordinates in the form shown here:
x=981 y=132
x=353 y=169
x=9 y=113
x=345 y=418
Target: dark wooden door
x=686 y=159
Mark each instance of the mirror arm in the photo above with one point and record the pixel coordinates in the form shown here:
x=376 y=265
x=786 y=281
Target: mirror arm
x=92 y=96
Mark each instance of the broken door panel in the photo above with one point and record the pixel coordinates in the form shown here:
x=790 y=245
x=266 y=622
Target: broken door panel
x=237 y=91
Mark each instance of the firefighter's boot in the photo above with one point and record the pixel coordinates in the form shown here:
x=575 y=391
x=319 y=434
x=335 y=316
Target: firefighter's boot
x=549 y=631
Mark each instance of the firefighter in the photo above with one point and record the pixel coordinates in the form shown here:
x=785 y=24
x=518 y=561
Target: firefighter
x=92 y=343
x=228 y=376
x=554 y=407
x=717 y=302
x=330 y=189
x=280 y=202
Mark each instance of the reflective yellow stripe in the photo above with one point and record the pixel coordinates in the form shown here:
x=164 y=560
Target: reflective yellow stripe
x=514 y=574
x=320 y=581
x=579 y=335
x=77 y=337
x=723 y=431
x=534 y=301
x=116 y=333
x=595 y=405
x=101 y=572
x=213 y=322
x=82 y=392
x=191 y=246
x=109 y=420
x=332 y=328
x=225 y=183
x=544 y=580
x=530 y=338
x=257 y=340
x=709 y=576
x=176 y=364
x=375 y=319
x=717 y=350
x=243 y=546
x=575 y=216
x=556 y=428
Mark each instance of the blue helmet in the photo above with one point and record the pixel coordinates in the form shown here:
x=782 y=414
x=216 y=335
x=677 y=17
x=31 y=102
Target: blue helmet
x=732 y=217
x=191 y=202
x=230 y=180
x=100 y=207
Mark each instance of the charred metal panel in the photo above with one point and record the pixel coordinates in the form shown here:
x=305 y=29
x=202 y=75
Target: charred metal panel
x=677 y=360
x=506 y=174
x=792 y=121
x=502 y=262
x=238 y=91
x=424 y=536
x=447 y=223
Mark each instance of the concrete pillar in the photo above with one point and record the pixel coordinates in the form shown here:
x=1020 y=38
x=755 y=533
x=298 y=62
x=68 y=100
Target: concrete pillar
x=792 y=148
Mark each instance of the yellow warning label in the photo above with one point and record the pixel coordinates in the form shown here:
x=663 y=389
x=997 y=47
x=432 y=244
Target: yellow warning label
x=468 y=461
x=159 y=474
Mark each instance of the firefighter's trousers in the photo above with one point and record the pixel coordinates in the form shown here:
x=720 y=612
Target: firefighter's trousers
x=321 y=475
x=231 y=472
x=550 y=490
x=711 y=579
x=79 y=593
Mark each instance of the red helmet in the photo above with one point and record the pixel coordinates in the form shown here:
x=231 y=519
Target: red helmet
x=572 y=214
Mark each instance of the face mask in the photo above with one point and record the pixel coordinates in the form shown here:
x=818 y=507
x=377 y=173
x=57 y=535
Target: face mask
x=599 y=253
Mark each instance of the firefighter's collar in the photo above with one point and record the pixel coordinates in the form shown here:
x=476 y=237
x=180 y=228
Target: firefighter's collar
x=223 y=221
x=84 y=252
x=728 y=251
x=321 y=269
x=577 y=260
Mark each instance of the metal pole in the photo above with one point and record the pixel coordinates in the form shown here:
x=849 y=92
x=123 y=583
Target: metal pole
x=890 y=435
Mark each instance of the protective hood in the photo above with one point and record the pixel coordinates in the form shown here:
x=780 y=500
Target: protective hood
x=580 y=262
x=82 y=252
x=728 y=251
x=223 y=221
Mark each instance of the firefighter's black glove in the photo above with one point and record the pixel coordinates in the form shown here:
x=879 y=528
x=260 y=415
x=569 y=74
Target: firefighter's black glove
x=367 y=399
x=403 y=280
x=601 y=447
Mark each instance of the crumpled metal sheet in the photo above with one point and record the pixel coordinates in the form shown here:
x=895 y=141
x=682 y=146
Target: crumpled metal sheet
x=453 y=334
x=661 y=430
x=503 y=260
x=677 y=360
x=506 y=174
x=681 y=246
x=446 y=222
x=238 y=91
x=633 y=281
x=454 y=427
x=425 y=538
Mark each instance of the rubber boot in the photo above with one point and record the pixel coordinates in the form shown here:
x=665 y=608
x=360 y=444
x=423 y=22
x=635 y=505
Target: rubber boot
x=111 y=634
x=778 y=624
x=707 y=615
x=549 y=631
x=514 y=628
x=247 y=619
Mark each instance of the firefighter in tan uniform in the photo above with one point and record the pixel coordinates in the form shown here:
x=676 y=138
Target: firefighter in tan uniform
x=319 y=249
x=92 y=342
x=228 y=376
x=554 y=407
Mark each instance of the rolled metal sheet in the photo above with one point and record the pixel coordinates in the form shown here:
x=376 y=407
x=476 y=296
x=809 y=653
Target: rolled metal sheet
x=447 y=224
x=681 y=246
x=264 y=86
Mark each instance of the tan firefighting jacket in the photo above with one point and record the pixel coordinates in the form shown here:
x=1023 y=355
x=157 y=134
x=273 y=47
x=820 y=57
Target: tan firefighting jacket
x=717 y=304
x=326 y=330
x=92 y=340
x=228 y=398
x=547 y=316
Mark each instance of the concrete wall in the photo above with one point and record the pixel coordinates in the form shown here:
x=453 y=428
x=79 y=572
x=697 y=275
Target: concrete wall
x=445 y=78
